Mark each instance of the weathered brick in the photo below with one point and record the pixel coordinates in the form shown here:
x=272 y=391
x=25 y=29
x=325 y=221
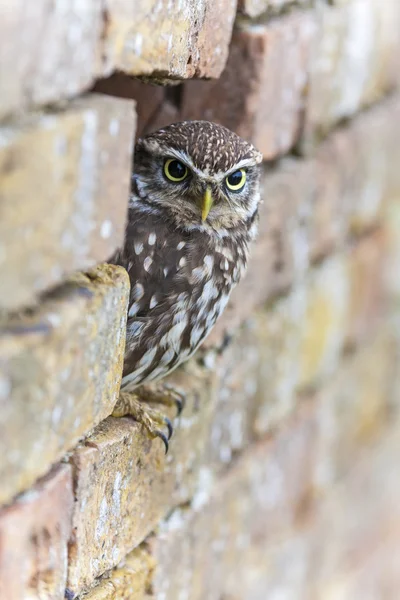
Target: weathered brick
x=277 y=339
x=48 y=51
x=60 y=371
x=224 y=534
x=260 y=92
x=151 y=38
x=323 y=325
x=131 y=581
x=355 y=60
x=125 y=484
x=355 y=405
x=34 y=534
x=368 y=295
x=63 y=205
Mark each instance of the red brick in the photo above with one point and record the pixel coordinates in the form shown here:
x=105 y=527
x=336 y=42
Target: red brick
x=260 y=92
x=34 y=533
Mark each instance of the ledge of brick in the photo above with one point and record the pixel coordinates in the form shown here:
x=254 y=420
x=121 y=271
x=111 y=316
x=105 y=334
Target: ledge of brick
x=34 y=535
x=151 y=38
x=60 y=372
x=65 y=180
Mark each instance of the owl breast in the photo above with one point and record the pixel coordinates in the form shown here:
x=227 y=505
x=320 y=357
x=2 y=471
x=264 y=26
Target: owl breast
x=180 y=284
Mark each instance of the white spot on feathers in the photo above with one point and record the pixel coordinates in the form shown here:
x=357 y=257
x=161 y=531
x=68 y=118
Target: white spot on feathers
x=138 y=247
x=148 y=261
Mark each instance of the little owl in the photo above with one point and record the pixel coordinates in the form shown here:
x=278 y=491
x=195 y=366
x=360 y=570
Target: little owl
x=192 y=215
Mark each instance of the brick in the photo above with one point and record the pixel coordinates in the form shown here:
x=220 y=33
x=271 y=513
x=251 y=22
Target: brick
x=34 y=534
x=125 y=484
x=355 y=405
x=60 y=371
x=260 y=92
x=368 y=298
x=255 y=8
x=131 y=581
x=148 y=38
x=277 y=338
x=355 y=61
x=82 y=159
x=219 y=542
x=49 y=52
x=323 y=325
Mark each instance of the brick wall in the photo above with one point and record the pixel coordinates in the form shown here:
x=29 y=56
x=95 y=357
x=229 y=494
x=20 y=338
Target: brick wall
x=282 y=477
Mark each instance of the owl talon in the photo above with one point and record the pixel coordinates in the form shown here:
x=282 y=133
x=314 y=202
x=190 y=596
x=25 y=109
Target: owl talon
x=164 y=438
x=163 y=394
x=130 y=404
x=180 y=403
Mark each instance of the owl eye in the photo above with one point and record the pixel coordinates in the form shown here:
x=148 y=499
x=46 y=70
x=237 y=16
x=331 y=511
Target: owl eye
x=174 y=170
x=236 y=180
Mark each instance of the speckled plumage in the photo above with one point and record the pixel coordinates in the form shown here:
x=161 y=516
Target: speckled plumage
x=182 y=269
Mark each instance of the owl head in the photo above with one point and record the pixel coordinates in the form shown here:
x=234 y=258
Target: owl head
x=199 y=173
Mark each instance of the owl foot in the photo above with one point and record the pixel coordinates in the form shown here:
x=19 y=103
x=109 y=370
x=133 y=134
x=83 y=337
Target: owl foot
x=163 y=393
x=131 y=404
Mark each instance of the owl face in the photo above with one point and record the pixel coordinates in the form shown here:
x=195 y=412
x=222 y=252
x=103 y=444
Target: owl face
x=199 y=173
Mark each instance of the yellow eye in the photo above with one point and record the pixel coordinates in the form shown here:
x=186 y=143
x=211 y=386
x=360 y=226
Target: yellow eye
x=174 y=170
x=236 y=180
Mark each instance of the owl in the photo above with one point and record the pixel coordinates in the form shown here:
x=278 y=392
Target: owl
x=192 y=215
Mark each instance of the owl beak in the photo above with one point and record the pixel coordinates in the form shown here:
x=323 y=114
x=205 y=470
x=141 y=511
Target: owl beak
x=206 y=204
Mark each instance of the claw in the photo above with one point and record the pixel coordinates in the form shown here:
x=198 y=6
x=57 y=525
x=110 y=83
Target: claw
x=169 y=427
x=179 y=406
x=179 y=399
x=164 y=438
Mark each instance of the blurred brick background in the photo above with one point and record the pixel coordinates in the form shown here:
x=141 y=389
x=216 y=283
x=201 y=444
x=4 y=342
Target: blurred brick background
x=282 y=481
